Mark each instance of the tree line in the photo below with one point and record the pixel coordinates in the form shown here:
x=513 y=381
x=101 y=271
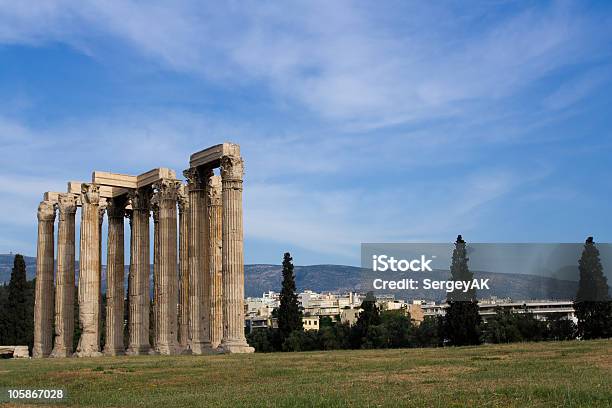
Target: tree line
x=461 y=325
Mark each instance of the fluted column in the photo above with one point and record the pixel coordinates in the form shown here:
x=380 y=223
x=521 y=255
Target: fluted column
x=43 y=298
x=167 y=194
x=183 y=206
x=139 y=298
x=101 y=212
x=204 y=263
x=64 y=279
x=213 y=192
x=234 y=341
x=198 y=288
x=115 y=277
x=155 y=302
x=89 y=270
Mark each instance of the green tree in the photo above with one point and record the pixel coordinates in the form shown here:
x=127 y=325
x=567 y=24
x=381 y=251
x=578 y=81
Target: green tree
x=361 y=335
x=428 y=333
x=502 y=328
x=302 y=340
x=289 y=314
x=593 y=305
x=561 y=328
x=531 y=329
x=462 y=320
x=398 y=328
x=262 y=340
x=20 y=321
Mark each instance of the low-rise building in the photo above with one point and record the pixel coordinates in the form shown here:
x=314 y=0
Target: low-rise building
x=310 y=322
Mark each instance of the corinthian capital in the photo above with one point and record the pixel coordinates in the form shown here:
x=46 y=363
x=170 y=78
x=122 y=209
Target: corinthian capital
x=90 y=193
x=183 y=199
x=232 y=168
x=66 y=204
x=166 y=189
x=46 y=211
x=191 y=175
x=115 y=206
x=140 y=199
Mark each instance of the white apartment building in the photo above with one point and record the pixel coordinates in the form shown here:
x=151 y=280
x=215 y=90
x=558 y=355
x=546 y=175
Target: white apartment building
x=541 y=309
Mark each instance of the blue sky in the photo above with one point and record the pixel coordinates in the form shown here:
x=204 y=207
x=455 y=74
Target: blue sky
x=359 y=121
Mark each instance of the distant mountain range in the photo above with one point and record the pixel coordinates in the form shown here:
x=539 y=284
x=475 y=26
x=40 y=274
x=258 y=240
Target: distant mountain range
x=260 y=278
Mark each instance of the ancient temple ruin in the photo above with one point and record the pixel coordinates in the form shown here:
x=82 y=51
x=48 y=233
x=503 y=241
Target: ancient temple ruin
x=198 y=262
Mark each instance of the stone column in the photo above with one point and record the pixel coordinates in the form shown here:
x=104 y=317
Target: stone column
x=205 y=174
x=167 y=194
x=155 y=303
x=43 y=298
x=183 y=207
x=139 y=298
x=64 y=279
x=215 y=259
x=234 y=341
x=198 y=279
x=101 y=212
x=115 y=277
x=89 y=270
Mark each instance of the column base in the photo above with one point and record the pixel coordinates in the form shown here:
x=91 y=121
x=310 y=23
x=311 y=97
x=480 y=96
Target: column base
x=201 y=348
x=87 y=353
x=235 y=348
x=114 y=352
x=61 y=353
x=168 y=349
x=138 y=351
x=38 y=353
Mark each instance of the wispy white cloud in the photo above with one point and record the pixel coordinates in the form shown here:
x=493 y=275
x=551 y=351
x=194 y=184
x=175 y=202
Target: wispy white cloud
x=576 y=89
x=362 y=65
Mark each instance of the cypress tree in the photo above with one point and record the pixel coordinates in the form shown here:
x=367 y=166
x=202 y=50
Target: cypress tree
x=289 y=314
x=593 y=305
x=462 y=320
x=20 y=323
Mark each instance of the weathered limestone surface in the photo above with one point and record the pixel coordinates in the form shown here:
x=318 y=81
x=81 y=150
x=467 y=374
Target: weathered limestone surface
x=167 y=194
x=211 y=156
x=16 y=351
x=64 y=281
x=155 y=303
x=204 y=262
x=43 y=298
x=139 y=273
x=89 y=273
x=215 y=259
x=183 y=207
x=199 y=315
x=115 y=277
x=234 y=341
x=101 y=212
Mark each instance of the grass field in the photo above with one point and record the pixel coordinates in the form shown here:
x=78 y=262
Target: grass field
x=551 y=374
